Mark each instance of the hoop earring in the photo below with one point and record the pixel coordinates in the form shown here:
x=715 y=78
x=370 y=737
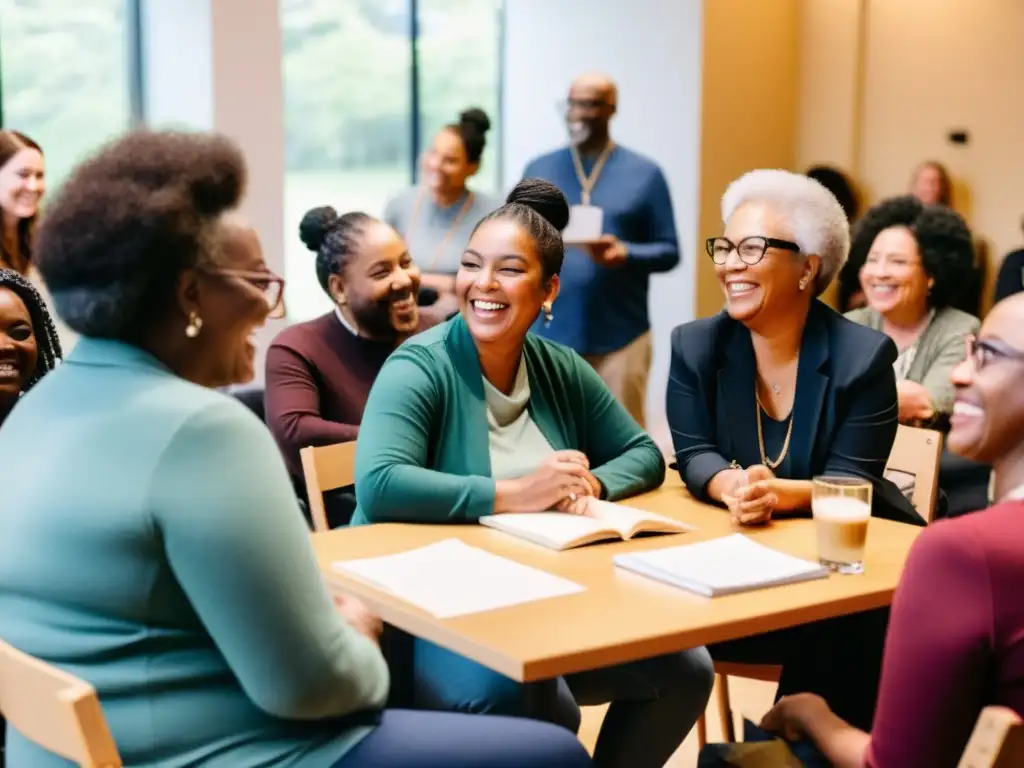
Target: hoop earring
x=195 y=325
x=548 y=316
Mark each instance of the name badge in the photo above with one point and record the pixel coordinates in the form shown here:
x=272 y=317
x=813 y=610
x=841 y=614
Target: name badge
x=586 y=225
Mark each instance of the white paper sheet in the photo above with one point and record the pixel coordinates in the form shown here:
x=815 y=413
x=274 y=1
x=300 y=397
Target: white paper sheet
x=451 y=578
x=586 y=223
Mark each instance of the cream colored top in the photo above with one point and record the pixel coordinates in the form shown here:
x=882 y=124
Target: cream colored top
x=516 y=444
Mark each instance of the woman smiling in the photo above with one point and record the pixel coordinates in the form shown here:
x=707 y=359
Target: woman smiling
x=479 y=417
x=913 y=261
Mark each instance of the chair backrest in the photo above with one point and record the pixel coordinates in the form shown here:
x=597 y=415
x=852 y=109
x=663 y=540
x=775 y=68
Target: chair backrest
x=997 y=741
x=914 y=467
x=326 y=468
x=54 y=709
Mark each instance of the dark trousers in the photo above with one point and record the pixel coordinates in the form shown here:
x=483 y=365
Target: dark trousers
x=839 y=659
x=407 y=739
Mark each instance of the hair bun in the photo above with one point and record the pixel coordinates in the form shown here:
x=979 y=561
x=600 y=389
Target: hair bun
x=475 y=119
x=543 y=197
x=315 y=226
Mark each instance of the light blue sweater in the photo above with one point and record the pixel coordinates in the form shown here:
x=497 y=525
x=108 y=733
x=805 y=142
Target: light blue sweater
x=150 y=543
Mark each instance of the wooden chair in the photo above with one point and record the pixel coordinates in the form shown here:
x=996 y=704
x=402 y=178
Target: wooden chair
x=325 y=469
x=997 y=741
x=55 y=710
x=914 y=462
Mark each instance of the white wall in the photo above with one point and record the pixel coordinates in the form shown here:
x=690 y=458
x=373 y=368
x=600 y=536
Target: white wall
x=652 y=48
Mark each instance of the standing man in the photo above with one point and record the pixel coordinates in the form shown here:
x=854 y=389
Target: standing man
x=601 y=310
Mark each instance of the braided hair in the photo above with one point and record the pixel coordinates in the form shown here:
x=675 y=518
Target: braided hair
x=332 y=238
x=47 y=341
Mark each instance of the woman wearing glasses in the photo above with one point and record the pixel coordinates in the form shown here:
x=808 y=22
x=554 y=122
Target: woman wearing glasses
x=779 y=388
x=956 y=639
x=913 y=261
x=152 y=542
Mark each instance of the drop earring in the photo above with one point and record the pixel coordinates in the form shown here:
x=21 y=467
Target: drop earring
x=195 y=325
x=548 y=316
x=803 y=285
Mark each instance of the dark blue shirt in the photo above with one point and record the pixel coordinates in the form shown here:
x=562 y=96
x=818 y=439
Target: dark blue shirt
x=601 y=309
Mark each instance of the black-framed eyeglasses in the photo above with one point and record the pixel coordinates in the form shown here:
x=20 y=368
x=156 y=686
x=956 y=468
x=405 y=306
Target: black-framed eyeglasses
x=981 y=352
x=750 y=249
x=267 y=283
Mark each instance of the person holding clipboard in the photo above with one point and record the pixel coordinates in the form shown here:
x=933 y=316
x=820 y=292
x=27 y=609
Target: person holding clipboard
x=437 y=216
x=622 y=226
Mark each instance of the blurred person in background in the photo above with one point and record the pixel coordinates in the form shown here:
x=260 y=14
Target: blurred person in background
x=1011 y=273
x=22 y=185
x=436 y=217
x=932 y=184
x=913 y=260
x=601 y=310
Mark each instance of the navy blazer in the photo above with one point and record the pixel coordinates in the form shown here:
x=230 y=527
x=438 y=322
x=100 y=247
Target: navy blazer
x=845 y=413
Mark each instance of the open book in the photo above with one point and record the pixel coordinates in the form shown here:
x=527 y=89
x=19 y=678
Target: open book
x=721 y=566
x=559 y=530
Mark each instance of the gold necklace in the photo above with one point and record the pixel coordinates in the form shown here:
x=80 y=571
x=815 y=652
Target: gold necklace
x=760 y=436
x=451 y=230
x=587 y=183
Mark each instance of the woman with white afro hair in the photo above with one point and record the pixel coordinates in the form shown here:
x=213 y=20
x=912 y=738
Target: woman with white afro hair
x=777 y=389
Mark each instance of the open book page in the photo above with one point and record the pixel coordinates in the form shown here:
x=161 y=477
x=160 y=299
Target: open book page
x=451 y=578
x=721 y=566
x=629 y=521
x=556 y=530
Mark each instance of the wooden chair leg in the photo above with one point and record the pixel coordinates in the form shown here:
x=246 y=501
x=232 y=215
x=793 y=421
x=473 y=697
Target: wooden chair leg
x=724 y=708
x=702 y=730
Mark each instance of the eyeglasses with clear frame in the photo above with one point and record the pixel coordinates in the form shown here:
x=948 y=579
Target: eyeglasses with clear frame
x=267 y=283
x=981 y=352
x=750 y=249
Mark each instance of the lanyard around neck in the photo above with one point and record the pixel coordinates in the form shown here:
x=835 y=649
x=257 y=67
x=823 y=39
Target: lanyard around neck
x=589 y=181
x=451 y=230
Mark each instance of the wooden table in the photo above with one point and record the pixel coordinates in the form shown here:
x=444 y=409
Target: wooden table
x=621 y=616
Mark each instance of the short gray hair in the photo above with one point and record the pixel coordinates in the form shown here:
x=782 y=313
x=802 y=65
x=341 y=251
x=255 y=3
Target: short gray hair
x=814 y=216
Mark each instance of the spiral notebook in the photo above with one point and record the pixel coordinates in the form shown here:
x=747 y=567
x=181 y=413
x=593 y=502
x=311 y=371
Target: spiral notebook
x=721 y=566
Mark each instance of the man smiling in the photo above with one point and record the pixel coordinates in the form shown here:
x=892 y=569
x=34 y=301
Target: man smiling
x=601 y=311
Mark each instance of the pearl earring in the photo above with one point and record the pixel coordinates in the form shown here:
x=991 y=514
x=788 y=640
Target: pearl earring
x=195 y=325
x=548 y=316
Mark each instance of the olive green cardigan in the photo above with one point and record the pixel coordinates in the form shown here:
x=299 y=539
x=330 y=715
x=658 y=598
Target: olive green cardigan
x=423 y=450
x=940 y=350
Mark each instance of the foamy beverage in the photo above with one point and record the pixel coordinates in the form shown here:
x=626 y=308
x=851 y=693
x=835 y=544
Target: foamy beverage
x=842 y=510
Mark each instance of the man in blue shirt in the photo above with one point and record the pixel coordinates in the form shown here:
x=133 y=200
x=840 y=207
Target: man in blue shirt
x=601 y=310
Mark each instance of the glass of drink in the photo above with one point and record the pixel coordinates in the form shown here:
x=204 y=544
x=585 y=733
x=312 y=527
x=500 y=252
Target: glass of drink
x=842 y=509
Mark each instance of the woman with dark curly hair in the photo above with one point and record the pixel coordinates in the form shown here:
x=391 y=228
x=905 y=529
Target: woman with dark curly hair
x=153 y=545
x=913 y=260
x=29 y=347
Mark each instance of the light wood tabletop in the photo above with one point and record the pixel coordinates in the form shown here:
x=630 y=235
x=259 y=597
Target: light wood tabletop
x=621 y=616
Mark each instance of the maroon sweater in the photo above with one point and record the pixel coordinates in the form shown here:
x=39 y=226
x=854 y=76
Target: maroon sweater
x=956 y=638
x=319 y=375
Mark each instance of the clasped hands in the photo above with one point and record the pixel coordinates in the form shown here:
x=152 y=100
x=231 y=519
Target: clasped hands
x=562 y=482
x=753 y=494
x=608 y=251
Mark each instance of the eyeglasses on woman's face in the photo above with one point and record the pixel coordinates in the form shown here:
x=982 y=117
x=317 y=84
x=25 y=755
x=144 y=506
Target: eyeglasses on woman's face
x=750 y=249
x=266 y=283
x=981 y=352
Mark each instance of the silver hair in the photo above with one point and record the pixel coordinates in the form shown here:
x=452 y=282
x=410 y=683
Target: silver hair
x=812 y=213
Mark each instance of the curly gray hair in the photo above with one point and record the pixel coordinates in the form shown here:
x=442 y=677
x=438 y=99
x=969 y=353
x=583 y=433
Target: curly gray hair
x=812 y=213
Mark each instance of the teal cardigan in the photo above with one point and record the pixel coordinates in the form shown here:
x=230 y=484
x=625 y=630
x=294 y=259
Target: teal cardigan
x=152 y=545
x=423 y=453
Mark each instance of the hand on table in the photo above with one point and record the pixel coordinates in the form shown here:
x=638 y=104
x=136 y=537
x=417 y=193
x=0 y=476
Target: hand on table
x=609 y=251
x=359 y=615
x=791 y=716
x=562 y=479
x=753 y=499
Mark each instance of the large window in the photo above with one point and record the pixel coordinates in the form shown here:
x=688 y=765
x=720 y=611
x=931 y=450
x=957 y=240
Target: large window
x=65 y=75
x=354 y=73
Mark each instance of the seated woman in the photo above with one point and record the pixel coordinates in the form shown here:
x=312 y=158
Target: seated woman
x=479 y=417
x=956 y=637
x=152 y=545
x=319 y=373
x=29 y=347
x=777 y=389
x=437 y=217
x=912 y=261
